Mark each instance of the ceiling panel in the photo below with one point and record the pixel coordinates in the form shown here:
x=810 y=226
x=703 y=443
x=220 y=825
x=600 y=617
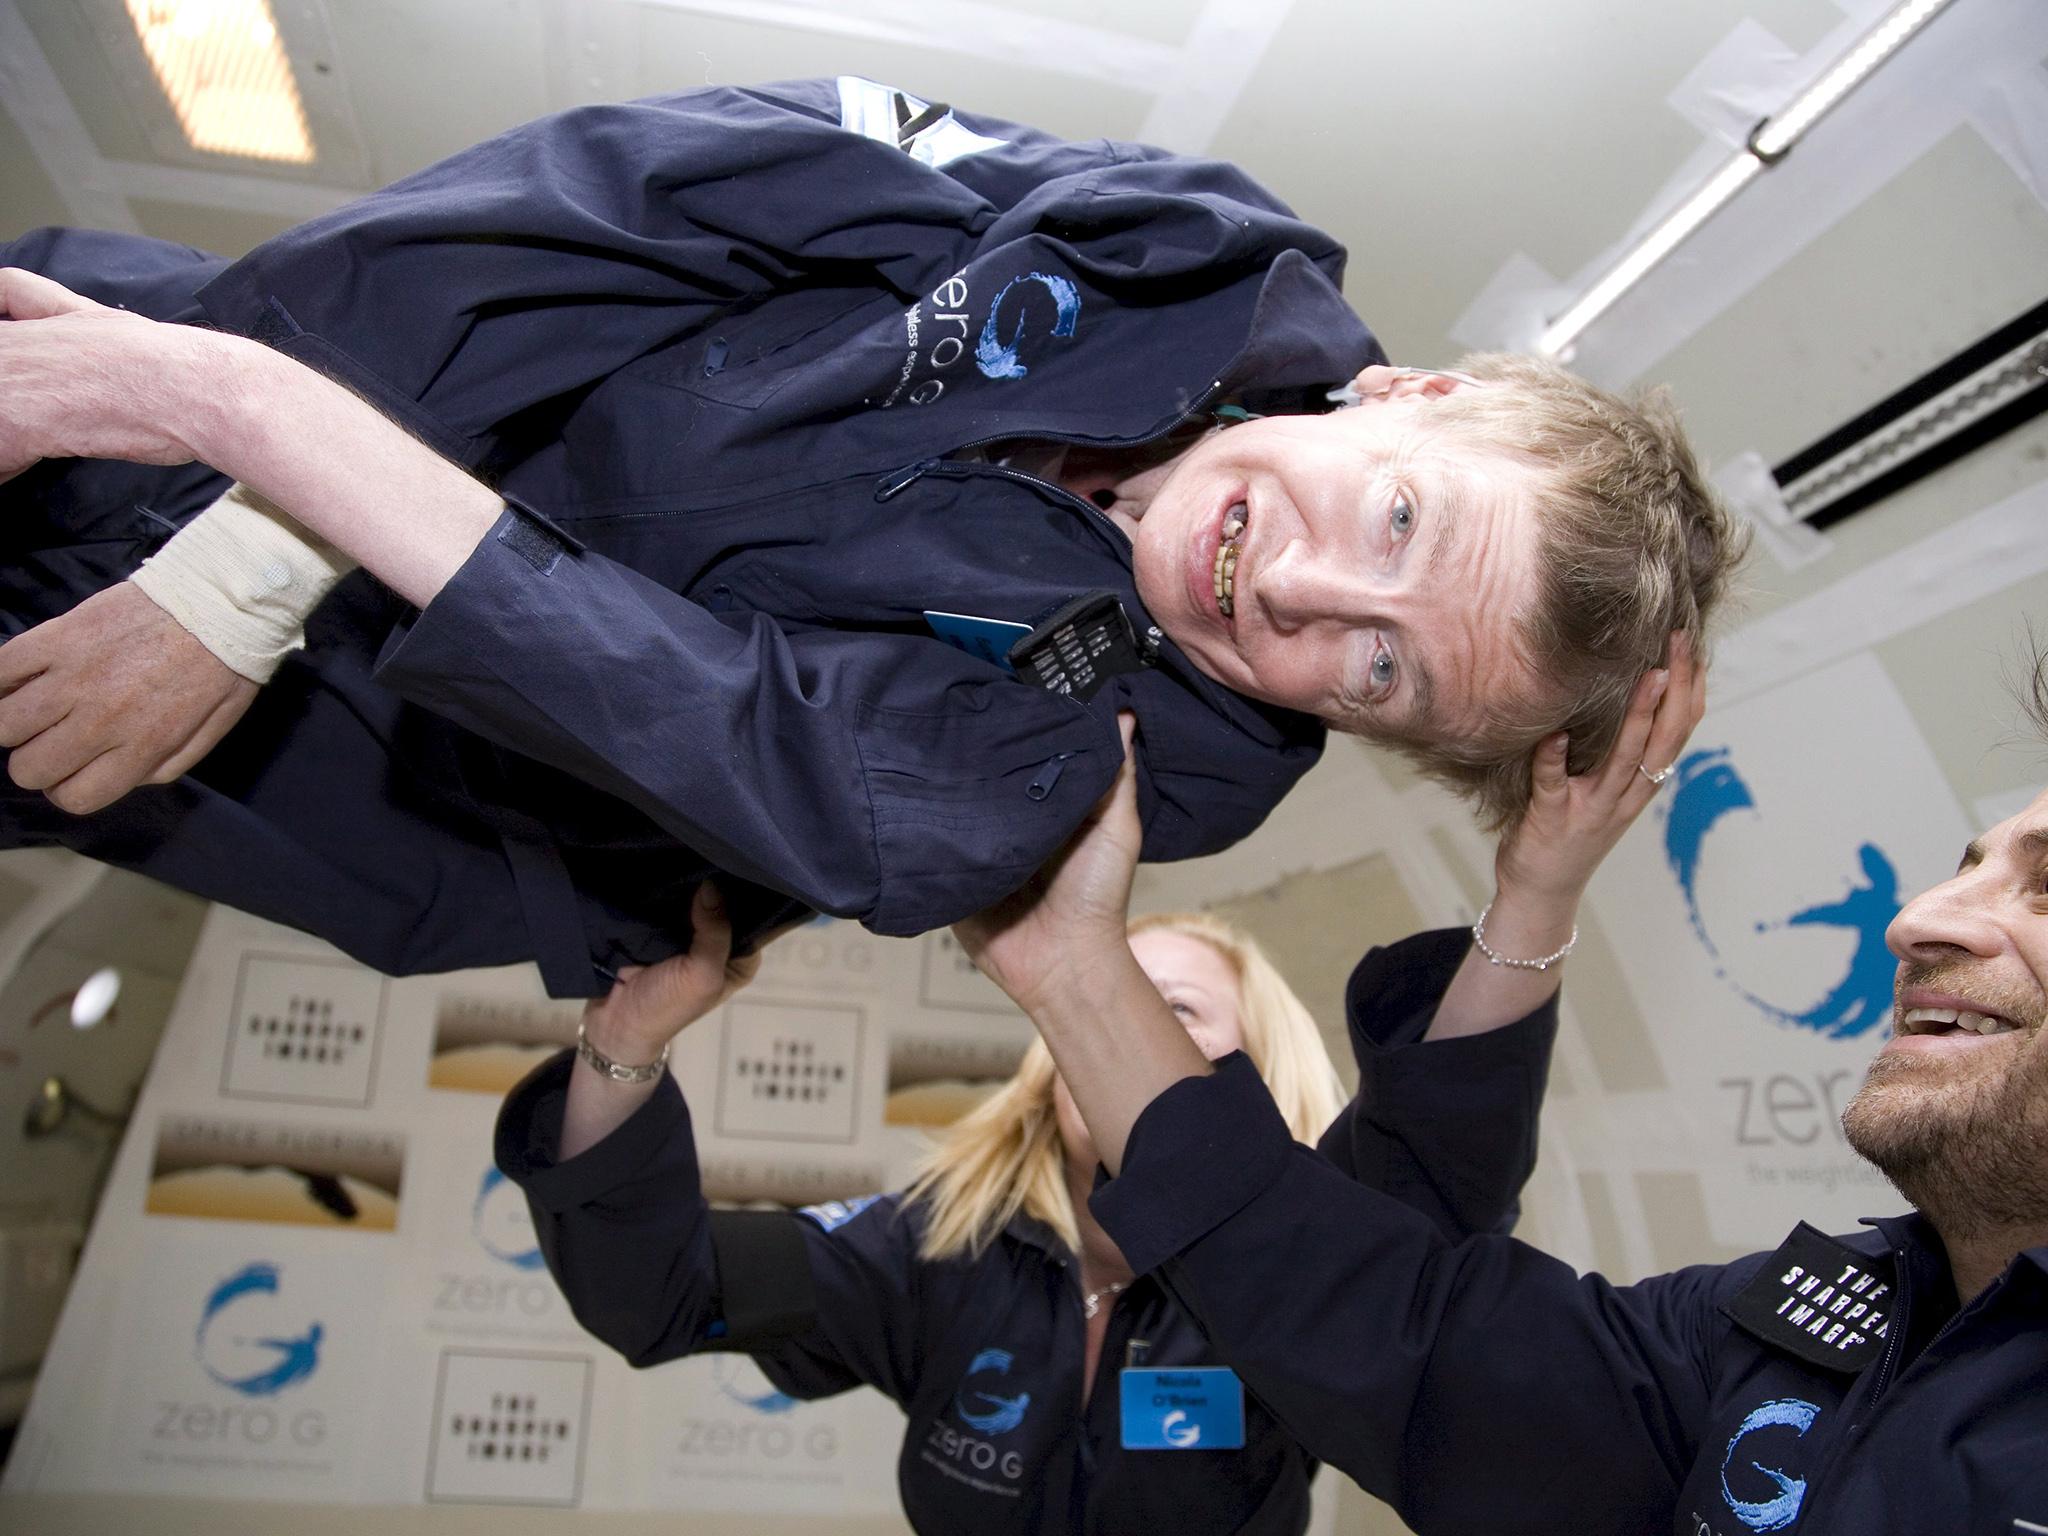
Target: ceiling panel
x=223 y=231
x=1162 y=21
x=28 y=197
x=1438 y=149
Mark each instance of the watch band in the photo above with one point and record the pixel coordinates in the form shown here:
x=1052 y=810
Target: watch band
x=617 y=1071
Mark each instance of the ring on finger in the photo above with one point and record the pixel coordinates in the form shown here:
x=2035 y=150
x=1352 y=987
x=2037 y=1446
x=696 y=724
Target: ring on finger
x=1660 y=775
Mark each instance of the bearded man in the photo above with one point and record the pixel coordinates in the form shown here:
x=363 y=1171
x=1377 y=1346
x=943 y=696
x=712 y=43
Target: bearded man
x=1895 y=1379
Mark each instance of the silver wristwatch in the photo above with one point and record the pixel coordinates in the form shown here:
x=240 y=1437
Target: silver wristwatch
x=617 y=1072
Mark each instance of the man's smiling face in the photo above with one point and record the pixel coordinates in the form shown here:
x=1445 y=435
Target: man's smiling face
x=1955 y=1109
x=1371 y=573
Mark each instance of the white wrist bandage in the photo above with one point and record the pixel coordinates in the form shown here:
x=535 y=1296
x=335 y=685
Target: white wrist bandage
x=242 y=577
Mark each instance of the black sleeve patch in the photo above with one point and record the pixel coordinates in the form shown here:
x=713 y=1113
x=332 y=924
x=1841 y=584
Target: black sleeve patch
x=1819 y=1300
x=764 y=1279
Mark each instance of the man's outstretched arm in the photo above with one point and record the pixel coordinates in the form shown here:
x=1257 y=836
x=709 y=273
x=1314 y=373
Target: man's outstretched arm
x=91 y=382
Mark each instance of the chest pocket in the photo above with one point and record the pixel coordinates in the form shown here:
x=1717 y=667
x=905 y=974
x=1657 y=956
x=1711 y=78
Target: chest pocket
x=746 y=357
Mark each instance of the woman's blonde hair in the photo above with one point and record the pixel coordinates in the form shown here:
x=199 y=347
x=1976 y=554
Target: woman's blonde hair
x=1005 y=1156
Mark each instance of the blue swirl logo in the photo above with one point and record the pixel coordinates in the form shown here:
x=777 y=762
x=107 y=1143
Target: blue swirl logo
x=1780 y=1509
x=1709 y=791
x=986 y=1412
x=501 y=1223
x=257 y=1364
x=741 y=1380
x=998 y=359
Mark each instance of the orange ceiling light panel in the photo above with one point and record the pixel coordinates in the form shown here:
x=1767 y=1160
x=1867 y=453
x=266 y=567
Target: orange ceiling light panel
x=223 y=67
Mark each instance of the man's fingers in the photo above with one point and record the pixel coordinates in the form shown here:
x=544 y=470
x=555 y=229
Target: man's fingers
x=36 y=706
x=26 y=295
x=27 y=655
x=52 y=756
x=97 y=785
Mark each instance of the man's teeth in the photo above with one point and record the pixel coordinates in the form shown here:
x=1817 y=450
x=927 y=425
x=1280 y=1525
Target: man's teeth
x=1226 y=559
x=1927 y=1021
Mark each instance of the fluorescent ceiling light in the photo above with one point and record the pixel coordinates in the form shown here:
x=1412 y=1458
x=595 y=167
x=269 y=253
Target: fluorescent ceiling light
x=223 y=67
x=1769 y=142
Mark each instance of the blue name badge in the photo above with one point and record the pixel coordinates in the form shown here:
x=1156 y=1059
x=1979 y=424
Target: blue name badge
x=990 y=639
x=1200 y=1408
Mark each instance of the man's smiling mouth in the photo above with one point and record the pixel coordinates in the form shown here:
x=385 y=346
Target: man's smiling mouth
x=1941 y=1021
x=1234 y=522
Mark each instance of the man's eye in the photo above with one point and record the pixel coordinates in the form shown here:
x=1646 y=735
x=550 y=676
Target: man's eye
x=1401 y=519
x=1182 y=1009
x=1382 y=671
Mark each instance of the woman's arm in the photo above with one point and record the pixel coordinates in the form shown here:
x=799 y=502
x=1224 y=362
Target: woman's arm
x=1454 y=1050
x=637 y=1020
x=1058 y=948
x=610 y=1174
x=1545 y=862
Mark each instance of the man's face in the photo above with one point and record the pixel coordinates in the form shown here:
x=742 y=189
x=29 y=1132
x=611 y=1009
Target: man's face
x=1378 y=574
x=1955 y=1109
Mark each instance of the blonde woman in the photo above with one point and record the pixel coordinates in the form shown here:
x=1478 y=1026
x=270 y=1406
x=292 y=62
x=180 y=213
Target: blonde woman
x=1040 y=1377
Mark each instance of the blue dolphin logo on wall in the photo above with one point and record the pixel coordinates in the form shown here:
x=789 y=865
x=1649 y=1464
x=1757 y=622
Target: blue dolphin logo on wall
x=1772 y=1514
x=1709 y=791
x=994 y=1415
x=997 y=358
x=294 y=1359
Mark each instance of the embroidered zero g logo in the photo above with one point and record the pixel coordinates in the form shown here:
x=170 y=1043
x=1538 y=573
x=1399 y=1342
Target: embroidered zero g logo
x=936 y=341
x=981 y=1410
x=997 y=358
x=1766 y=1513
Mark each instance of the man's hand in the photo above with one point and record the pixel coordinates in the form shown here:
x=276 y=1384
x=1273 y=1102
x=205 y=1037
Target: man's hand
x=653 y=1004
x=83 y=380
x=113 y=694
x=1075 y=907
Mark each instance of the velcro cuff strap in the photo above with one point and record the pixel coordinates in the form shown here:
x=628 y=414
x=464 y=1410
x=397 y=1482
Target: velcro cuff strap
x=764 y=1279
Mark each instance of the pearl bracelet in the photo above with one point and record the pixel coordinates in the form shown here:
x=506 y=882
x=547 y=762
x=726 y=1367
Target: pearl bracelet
x=1494 y=957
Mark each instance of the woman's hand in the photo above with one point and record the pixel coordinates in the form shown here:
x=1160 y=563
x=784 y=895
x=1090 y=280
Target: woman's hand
x=649 y=1007
x=1075 y=908
x=86 y=381
x=1058 y=947
x=653 y=1004
x=1542 y=867
x=1573 y=823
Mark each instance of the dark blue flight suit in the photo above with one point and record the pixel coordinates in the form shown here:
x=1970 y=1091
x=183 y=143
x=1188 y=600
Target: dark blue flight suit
x=723 y=346
x=1832 y=1388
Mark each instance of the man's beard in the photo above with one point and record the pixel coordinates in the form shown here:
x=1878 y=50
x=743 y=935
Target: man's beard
x=1964 y=1136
